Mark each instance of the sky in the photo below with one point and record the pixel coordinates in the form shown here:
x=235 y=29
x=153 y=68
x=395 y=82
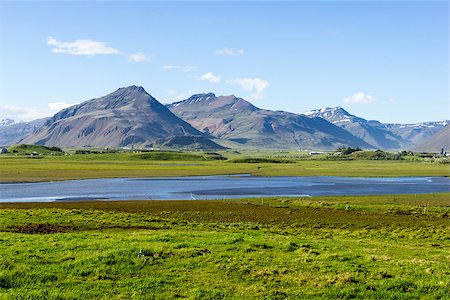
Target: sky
x=381 y=60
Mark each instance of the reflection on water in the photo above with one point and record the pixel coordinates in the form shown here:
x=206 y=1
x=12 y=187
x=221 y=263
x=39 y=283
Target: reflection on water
x=216 y=187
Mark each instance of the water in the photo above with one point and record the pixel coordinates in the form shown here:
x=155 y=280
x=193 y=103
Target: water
x=216 y=187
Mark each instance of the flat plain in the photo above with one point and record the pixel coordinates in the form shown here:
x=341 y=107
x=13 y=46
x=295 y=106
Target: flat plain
x=370 y=247
x=50 y=168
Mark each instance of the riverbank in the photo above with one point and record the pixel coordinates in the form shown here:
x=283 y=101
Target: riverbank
x=56 y=168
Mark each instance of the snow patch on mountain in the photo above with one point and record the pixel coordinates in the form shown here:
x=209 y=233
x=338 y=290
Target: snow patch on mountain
x=6 y=122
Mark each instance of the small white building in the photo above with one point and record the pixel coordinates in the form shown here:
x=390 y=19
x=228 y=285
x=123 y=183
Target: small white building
x=316 y=152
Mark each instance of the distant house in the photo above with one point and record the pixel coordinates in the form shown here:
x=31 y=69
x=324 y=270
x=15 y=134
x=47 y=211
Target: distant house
x=315 y=152
x=3 y=150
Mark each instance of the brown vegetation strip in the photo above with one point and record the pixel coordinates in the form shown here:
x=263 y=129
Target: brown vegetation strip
x=40 y=228
x=232 y=212
x=46 y=228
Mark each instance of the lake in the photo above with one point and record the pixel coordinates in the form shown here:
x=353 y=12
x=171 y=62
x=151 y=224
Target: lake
x=216 y=187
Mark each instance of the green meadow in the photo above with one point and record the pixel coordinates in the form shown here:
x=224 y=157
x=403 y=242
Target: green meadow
x=365 y=247
x=286 y=248
x=153 y=164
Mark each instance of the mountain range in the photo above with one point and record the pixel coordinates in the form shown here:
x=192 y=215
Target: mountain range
x=234 y=119
x=14 y=132
x=379 y=135
x=132 y=117
x=124 y=118
x=436 y=142
x=6 y=122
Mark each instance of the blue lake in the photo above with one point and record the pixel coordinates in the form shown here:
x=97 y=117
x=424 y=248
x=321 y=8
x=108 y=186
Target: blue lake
x=216 y=187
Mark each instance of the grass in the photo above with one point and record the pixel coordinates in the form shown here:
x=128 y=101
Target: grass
x=24 y=149
x=367 y=247
x=370 y=247
x=21 y=169
x=260 y=160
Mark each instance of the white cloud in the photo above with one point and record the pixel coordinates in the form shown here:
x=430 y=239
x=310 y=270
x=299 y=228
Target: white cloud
x=138 y=57
x=230 y=52
x=81 y=47
x=57 y=106
x=256 y=85
x=360 y=98
x=90 y=48
x=392 y=99
x=15 y=112
x=210 y=77
x=173 y=95
x=181 y=68
x=18 y=113
x=29 y=113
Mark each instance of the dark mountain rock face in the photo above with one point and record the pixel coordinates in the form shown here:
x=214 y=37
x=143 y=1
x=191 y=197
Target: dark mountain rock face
x=128 y=116
x=236 y=120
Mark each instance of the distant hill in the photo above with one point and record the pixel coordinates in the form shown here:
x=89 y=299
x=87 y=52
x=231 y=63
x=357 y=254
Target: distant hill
x=15 y=132
x=6 y=122
x=234 y=119
x=418 y=132
x=126 y=117
x=30 y=149
x=373 y=132
x=438 y=141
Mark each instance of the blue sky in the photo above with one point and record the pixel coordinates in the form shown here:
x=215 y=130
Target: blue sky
x=379 y=60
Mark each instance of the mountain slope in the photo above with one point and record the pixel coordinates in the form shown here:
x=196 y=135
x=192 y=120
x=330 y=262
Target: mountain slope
x=12 y=134
x=6 y=122
x=438 y=141
x=128 y=116
x=418 y=132
x=373 y=132
x=234 y=119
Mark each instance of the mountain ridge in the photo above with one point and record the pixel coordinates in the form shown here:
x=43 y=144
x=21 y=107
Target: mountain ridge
x=440 y=140
x=237 y=120
x=131 y=116
x=388 y=136
x=125 y=117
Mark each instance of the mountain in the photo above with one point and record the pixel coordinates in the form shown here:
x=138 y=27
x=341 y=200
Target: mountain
x=418 y=132
x=438 y=141
x=236 y=120
x=373 y=132
x=126 y=117
x=6 y=122
x=14 y=133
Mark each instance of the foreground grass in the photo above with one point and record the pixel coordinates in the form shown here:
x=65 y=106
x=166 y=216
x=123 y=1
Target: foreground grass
x=48 y=168
x=325 y=247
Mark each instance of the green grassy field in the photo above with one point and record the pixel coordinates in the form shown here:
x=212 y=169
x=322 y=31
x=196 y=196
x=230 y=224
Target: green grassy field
x=367 y=247
x=14 y=169
x=372 y=247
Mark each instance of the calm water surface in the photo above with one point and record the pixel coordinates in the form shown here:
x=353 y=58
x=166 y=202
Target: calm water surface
x=216 y=187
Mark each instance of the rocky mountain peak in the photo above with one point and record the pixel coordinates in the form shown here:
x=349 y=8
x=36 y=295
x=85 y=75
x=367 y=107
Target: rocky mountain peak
x=6 y=122
x=127 y=116
x=130 y=89
x=331 y=114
